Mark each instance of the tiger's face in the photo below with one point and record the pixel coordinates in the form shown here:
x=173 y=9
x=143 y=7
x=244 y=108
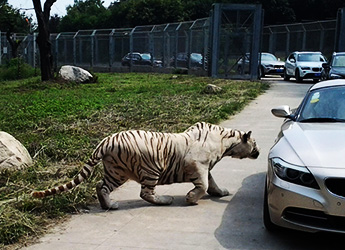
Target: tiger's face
x=246 y=148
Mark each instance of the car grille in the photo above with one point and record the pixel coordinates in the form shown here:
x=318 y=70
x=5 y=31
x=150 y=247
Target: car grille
x=336 y=186
x=317 y=69
x=313 y=218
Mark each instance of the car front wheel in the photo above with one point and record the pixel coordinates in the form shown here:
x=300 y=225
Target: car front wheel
x=297 y=76
x=286 y=77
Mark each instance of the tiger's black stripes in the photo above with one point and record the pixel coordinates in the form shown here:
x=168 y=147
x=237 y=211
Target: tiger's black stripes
x=156 y=158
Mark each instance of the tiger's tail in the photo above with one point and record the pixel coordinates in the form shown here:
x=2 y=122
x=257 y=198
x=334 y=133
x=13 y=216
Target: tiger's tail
x=82 y=175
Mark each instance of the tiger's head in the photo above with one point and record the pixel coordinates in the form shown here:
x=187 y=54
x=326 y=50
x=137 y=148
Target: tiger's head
x=244 y=148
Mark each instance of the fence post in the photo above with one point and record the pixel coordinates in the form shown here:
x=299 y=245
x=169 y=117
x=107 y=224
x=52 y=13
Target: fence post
x=215 y=36
x=131 y=49
x=0 y=48
x=111 y=48
x=340 y=31
x=93 y=42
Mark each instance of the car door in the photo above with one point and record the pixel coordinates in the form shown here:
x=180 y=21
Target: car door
x=290 y=64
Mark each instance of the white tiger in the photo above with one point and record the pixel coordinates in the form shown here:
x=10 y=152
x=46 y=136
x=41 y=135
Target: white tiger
x=154 y=158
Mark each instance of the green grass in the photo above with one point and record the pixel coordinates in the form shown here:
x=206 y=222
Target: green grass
x=61 y=123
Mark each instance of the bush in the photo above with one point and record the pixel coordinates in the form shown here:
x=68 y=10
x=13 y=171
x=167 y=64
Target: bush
x=15 y=69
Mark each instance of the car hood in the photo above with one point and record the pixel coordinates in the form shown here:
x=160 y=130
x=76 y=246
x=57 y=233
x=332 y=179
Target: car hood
x=273 y=63
x=317 y=144
x=310 y=64
x=338 y=70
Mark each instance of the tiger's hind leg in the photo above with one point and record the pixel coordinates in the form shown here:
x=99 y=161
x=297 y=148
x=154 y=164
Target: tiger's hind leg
x=103 y=192
x=114 y=177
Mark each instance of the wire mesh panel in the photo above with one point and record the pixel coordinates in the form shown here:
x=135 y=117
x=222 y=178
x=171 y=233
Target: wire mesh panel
x=119 y=46
x=281 y=40
x=236 y=36
x=225 y=45
x=64 y=47
x=84 y=48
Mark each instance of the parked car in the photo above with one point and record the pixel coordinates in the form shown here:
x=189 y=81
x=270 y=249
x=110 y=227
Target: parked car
x=270 y=65
x=140 y=59
x=182 y=60
x=304 y=65
x=305 y=181
x=335 y=69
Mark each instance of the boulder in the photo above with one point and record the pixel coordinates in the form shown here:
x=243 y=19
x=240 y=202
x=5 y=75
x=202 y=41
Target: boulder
x=13 y=155
x=212 y=89
x=75 y=74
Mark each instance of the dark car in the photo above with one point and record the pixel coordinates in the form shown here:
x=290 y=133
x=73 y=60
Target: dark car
x=182 y=60
x=335 y=69
x=140 y=59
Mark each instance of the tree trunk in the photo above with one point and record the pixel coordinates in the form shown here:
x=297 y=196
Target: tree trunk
x=43 y=38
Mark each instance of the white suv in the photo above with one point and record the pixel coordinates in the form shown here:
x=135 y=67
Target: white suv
x=304 y=65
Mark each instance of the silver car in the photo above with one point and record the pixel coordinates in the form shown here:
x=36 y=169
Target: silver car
x=304 y=65
x=305 y=182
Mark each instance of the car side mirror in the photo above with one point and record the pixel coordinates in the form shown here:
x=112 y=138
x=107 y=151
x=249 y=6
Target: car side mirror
x=292 y=60
x=325 y=66
x=283 y=111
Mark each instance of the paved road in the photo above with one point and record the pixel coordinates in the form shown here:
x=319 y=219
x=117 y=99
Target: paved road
x=232 y=222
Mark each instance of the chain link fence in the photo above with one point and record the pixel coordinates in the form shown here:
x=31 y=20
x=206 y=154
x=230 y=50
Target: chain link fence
x=166 y=47
x=281 y=40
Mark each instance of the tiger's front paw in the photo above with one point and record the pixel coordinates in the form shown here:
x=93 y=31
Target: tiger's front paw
x=191 y=198
x=218 y=192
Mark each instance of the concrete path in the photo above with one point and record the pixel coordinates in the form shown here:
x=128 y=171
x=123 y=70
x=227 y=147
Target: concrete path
x=232 y=222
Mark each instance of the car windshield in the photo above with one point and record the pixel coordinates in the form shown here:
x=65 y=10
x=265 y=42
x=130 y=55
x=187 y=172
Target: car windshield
x=324 y=105
x=310 y=58
x=268 y=57
x=339 y=61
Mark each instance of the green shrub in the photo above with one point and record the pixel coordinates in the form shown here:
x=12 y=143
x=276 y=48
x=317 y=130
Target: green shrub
x=15 y=69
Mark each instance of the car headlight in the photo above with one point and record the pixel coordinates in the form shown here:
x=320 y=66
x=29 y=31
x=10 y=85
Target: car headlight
x=292 y=173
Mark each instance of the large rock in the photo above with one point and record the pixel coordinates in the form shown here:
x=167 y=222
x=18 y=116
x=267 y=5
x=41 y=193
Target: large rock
x=212 y=89
x=13 y=155
x=75 y=74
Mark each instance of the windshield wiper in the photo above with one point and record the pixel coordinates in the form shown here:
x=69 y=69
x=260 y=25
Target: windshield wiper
x=323 y=119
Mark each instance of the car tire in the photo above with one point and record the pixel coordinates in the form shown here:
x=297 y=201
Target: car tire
x=297 y=76
x=286 y=77
x=240 y=70
x=269 y=225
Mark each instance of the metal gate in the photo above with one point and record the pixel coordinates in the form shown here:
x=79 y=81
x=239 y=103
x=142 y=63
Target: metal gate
x=235 y=41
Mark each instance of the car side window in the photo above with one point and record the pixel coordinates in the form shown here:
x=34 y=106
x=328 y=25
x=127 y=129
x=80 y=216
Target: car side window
x=292 y=57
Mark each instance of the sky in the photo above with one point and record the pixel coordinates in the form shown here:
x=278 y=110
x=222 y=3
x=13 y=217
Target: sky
x=59 y=7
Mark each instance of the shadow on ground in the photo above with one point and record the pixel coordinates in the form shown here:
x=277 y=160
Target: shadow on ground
x=242 y=226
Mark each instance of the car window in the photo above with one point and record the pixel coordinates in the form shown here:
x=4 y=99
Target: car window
x=339 y=61
x=292 y=56
x=146 y=56
x=268 y=57
x=324 y=103
x=310 y=58
x=196 y=56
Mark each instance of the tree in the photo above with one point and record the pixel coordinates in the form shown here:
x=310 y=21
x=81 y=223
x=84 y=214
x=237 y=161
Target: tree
x=43 y=38
x=12 y=21
x=88 y=14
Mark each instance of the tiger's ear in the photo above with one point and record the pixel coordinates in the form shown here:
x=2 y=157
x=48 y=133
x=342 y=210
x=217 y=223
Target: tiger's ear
x=246 y=136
